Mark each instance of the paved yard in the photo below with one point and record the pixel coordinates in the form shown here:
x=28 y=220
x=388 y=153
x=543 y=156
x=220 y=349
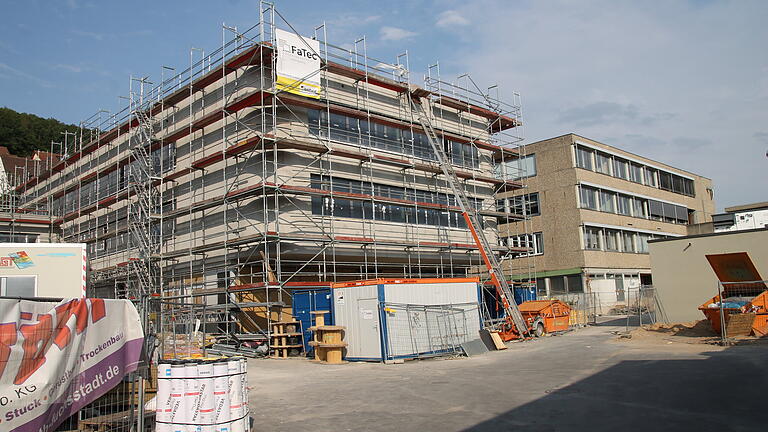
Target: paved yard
x=586 y=380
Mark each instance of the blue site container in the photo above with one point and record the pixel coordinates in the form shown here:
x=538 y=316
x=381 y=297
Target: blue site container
x=310 y=300
x=493 y=304
x=524 y=294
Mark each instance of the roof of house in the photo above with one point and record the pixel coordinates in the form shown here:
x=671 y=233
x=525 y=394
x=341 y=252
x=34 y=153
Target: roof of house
x=747 y=207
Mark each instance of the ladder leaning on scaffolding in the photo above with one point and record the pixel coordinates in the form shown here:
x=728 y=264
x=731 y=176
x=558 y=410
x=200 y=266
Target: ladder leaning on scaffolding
x=514 y=325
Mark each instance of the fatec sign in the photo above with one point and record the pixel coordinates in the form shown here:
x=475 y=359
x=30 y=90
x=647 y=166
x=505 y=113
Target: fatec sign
x=55 y=358
x=298 y=64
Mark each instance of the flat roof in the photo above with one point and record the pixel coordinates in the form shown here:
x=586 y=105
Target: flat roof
x=745 y=207
x=722 y=233
x=620 y=149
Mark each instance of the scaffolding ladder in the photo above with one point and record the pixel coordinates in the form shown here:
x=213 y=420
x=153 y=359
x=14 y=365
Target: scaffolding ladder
x=144 y=211
x=514 y=325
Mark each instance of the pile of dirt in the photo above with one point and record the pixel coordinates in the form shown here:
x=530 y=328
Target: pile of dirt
x=700 y=328
x=694 y=332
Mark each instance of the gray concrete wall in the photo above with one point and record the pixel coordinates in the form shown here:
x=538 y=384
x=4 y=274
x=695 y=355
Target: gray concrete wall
x=683 y=277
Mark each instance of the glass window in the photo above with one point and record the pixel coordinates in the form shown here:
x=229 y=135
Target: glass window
x=18 y=286
x=635 y=173
x=642 y=242
x=612 y=240
x=688 y=187
x=670 y=212
x=557 y=285
x=665 y=180
x=606 y=201
x=603 y=163
x=538 y=243
x=620 y=168
x=638 y=208
x=588 y=197
x=574 y=284
x=650 y=177
x=584 y=158
x=592 y=238
x=655 y=210
x=521 y=167
x=624 y=204
x=533 y=242
x=531 y=202
x=628 y=242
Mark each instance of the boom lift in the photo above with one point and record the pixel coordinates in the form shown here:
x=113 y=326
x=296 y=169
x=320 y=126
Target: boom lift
x=513 y=325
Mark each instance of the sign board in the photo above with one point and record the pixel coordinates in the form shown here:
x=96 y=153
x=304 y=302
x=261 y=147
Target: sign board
x=298 y=64
x=57 y=357
x=57 y=269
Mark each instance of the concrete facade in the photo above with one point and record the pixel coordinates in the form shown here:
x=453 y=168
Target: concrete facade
x=613 y=254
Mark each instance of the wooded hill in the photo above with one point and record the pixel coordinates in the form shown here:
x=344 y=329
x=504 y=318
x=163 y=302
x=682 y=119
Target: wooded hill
x=24 y=133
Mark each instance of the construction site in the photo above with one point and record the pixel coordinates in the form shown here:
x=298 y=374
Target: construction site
x=286 y=198
x=220 y=189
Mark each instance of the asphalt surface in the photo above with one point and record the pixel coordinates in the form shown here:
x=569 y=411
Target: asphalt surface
x=585 y=380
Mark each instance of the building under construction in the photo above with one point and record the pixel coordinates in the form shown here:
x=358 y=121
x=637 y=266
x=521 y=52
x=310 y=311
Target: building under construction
x=279 y=161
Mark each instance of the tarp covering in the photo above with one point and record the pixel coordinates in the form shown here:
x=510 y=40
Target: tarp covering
x=55 y=358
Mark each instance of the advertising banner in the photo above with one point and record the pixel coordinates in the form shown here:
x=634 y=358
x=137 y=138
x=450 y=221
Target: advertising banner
x=298 y=64
x=55 y=358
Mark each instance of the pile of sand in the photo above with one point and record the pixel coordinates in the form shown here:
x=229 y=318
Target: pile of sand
x=694 y=332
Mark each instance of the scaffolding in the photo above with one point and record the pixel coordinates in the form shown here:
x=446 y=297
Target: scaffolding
x=215 y=193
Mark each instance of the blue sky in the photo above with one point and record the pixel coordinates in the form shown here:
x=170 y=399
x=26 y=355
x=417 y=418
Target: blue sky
x=683 y=82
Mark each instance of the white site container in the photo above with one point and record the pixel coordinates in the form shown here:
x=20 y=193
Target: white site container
x=56 y=270
x=371 y=333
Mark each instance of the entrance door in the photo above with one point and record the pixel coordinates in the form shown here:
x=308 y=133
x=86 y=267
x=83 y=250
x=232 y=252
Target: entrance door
x=368 y=342
x=620 y=298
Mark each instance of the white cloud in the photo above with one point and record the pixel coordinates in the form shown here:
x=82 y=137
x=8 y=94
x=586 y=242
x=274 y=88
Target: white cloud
x=451 y=18
x=655 y=80
x=21 y=74
x=395 y=33
x=92 y=35
x=68 y=67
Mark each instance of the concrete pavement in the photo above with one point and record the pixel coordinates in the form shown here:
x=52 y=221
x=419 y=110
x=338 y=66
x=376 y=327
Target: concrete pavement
x=584 y=380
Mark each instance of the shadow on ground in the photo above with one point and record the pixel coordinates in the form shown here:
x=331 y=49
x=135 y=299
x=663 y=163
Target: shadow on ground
x=724 y=391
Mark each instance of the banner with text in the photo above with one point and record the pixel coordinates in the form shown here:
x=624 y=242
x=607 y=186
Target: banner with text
x=298 y=64
x=55 y=358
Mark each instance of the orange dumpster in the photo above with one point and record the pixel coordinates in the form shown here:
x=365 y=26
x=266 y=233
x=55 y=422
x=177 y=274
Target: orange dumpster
x=744 y=296
x=545 y=316
x=757 y=306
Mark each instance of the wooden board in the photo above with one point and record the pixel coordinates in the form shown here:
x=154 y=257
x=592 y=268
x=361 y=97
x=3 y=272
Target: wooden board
x=497 y=342
x=739 y=324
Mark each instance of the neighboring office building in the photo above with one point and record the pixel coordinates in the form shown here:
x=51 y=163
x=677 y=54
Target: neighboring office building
x=683 y=277
x=594 y=208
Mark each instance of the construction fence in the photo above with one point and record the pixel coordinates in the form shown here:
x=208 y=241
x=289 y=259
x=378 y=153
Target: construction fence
x=419 y=331
x=584 y=307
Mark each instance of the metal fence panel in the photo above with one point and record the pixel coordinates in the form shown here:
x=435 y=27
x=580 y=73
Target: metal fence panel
x=416 y=331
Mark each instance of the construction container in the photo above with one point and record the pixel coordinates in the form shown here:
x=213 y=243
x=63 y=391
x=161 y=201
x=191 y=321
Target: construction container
x=305 y=302
x=745 y=313
x=43 y=270
x=363 y=308
x=546 y=316
x=744 y=293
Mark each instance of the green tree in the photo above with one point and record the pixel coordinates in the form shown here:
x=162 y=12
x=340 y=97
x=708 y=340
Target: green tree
x=24 y=133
